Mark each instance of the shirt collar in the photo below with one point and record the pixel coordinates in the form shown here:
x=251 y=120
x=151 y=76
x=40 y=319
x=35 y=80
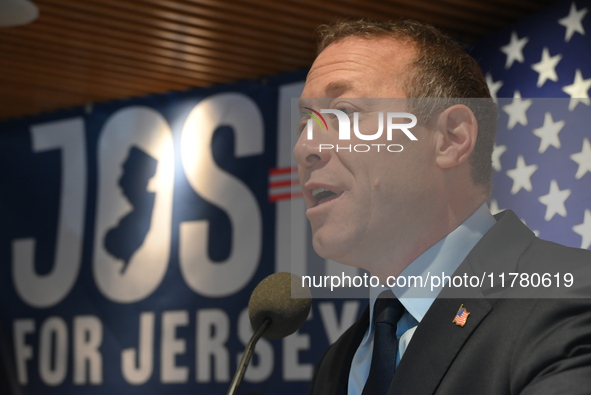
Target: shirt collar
x=442 y=258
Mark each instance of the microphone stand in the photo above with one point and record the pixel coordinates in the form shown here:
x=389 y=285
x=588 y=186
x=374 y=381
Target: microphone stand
x=246 y=357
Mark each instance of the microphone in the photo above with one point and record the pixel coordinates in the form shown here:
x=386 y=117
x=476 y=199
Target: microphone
x=281 y=298
x=278 y=307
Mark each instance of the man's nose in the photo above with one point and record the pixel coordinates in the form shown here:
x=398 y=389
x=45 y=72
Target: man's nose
x=308 y=152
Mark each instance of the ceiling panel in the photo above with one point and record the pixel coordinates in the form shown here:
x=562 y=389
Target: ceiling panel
x=83 y=51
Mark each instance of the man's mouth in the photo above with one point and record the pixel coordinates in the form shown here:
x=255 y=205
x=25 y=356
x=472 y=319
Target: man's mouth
x=322 y=195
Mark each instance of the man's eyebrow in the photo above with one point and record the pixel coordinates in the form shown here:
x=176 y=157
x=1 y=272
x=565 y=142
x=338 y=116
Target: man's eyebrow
x=337 y=88
x=333 y=90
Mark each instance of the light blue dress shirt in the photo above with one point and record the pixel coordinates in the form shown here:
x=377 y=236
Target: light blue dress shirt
x=443 y=257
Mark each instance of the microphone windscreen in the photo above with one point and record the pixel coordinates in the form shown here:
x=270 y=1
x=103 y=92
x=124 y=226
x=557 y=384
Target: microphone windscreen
x=282 y=298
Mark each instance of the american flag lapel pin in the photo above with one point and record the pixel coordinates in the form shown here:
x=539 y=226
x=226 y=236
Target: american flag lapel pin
x=461 y=316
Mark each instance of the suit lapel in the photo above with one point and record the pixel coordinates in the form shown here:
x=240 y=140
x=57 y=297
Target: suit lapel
x=435 y=344
x=338 y=359
x=437 y=341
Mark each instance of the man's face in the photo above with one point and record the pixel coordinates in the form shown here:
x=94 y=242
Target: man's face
x=375 y=200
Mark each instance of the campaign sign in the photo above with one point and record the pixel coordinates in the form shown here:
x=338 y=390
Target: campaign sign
x=132 y=234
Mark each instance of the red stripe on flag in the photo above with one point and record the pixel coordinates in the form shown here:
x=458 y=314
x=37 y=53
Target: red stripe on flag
x=462 y=319
x=284 y=183
x=283 y=170
x=285 y=196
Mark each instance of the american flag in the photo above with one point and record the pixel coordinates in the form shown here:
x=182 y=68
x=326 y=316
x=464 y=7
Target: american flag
x=461 y=316
x=539 y=72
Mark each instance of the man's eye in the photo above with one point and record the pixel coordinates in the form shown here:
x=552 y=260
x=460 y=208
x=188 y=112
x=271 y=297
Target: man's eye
x=304 y=116
x=301 y=126
x=346 y=110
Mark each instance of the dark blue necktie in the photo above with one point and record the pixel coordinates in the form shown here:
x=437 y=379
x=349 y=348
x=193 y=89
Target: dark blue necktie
x=387 y=312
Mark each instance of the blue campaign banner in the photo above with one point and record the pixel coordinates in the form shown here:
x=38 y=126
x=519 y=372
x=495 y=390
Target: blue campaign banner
x=132 y=234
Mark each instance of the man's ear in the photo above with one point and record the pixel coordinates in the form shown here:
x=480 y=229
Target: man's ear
x=457 y=130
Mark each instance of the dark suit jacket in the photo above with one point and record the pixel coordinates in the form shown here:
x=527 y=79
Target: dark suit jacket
x=531 y=340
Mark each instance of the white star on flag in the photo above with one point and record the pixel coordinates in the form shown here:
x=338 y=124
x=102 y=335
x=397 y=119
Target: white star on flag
x=493 y=86
x=521 y=175
x=514 y=50
x=554 y=201
x=496 y=156
x=549 y=133
x=584 y=230
x=573 y=22
x=516 y=110
x=546 y=67
x=578 y=90
x=553 y=131
x=583 y=159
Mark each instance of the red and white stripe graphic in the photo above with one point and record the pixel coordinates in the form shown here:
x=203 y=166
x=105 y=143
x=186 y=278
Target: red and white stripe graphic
x=284 y=184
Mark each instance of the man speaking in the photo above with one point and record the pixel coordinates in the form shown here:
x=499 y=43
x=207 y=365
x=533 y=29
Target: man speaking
x=421 y=209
